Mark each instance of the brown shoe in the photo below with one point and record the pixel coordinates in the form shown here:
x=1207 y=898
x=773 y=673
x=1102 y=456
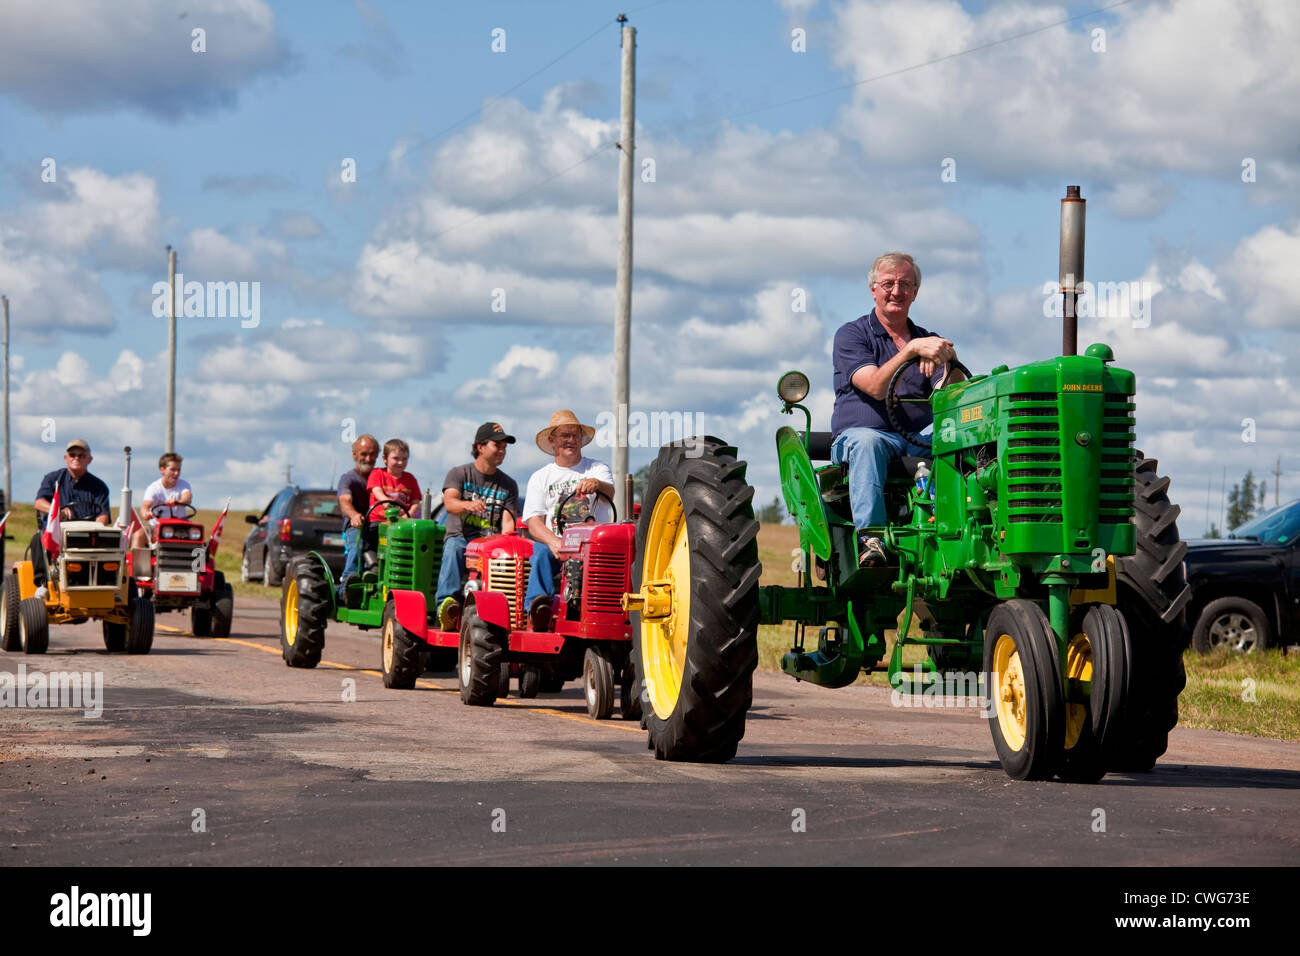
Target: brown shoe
x=871 y=553
x=539 y=614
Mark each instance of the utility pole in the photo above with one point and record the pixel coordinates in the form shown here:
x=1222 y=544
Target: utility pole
x=171 y=349
x=623 y=287
x=8 y=483
x=1277 y=469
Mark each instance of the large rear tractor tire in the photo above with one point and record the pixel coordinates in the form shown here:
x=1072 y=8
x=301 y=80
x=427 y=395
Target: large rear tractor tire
x=697 y=544
x=223 y=606
x=629 y=693
x=33 y=626
x=139 y=627
x=1099 y=653
x=1152 y=595
x=306 y=606
x=401 y=653
x=9 y=600
x=482 y=647
x=1022 y=680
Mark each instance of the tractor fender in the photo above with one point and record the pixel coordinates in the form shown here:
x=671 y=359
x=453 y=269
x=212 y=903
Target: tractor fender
x=412 y=613
x=493 y=608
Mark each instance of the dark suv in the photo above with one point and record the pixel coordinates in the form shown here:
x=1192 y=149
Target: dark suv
x=1246 y=587
x=295 y=521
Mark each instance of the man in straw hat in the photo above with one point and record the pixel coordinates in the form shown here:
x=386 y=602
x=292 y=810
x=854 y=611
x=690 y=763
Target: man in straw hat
x=563 y=437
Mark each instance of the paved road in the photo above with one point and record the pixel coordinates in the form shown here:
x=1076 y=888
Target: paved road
x=278 y=768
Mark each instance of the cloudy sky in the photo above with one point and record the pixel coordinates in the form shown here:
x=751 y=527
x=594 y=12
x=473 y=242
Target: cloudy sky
x=466 y=271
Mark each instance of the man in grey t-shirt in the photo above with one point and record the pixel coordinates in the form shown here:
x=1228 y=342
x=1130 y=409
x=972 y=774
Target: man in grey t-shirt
x=352 y=502
x=480 y=499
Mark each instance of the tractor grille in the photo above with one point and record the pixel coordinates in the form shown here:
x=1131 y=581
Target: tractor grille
x=605 y=582
x=108 y=538
x=177 y=557
x=510 y=577
x=1117 y=437
x=1033 y=458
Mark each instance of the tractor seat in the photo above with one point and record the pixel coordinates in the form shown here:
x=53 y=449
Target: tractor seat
x=819 y=449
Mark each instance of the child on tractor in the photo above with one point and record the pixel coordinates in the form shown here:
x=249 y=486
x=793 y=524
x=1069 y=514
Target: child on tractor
x=393 y=482
x=168 y=494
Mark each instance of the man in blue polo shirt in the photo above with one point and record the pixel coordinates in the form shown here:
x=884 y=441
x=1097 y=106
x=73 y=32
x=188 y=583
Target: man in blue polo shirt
x=82 y=496
x=867 y=352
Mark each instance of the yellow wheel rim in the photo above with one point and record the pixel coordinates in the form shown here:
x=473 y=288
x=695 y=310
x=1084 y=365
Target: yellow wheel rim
x=389 y=639
x=291 y=613
x=663 y=641
x=1010 y=690
x=1078 y=666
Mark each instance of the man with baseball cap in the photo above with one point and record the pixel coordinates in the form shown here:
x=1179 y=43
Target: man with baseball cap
x=480 y=499
x=82 y=497
x=564 y=438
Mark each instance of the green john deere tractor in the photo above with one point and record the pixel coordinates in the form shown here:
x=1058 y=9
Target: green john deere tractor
x=393 y=591
x=1040 y=558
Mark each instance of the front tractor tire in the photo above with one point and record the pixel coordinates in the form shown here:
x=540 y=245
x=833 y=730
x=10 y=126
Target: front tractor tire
x=1099 y=653
x=1022 y=680
x=33 y=626
x=1152 y=592
x=401 y=654
x=114 y=637
x=139 y=626
x=697 y=541
x=482 y=649
x=305 y=608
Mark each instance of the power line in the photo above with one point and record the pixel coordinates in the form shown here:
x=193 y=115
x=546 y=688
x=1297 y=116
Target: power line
x=899 y=72
x=501 y=96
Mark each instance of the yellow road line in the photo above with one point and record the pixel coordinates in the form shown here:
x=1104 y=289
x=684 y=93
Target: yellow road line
x=428 y=685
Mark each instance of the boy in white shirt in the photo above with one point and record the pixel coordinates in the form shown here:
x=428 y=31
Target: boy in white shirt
x=170 y=489
x=563 y=438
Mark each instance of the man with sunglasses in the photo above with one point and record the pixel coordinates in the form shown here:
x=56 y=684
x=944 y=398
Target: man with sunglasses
x=867 y=353
x=82 y=496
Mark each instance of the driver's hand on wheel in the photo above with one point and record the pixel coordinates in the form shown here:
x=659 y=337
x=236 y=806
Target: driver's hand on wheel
x=476 y=507
x=357 y=520
x=65 y=514
x=587 y=486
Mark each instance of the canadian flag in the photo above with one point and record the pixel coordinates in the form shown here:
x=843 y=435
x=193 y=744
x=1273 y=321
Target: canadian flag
x=215 y=540
x=53 y=528
x=132 y=526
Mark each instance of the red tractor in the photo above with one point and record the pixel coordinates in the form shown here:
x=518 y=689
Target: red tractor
x=587 y=633
x=179 y=570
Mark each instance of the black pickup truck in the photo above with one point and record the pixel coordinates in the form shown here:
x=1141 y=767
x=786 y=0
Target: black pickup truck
x=1246 y=587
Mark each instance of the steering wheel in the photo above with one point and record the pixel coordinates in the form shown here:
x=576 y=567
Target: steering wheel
x=892 y=401
x=559 y=508
x=92 y=509
x=156 y=510
x=386 y=504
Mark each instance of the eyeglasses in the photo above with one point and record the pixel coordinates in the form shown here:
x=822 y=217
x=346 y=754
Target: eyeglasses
x=903 y=286
x=77 y=454
x=566 y=436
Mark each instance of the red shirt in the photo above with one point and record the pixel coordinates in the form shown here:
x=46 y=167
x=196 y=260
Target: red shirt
x=405 y=490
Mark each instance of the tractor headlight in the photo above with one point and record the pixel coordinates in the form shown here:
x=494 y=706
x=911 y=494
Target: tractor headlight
x=793 y=387
x=167 y=531
x=195 y=534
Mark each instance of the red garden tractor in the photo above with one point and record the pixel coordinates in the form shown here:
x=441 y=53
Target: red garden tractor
x=586 y=634
x=179 y=570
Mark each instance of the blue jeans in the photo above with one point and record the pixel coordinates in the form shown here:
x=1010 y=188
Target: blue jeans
x=451 y=576
x=351 y=556
x=867 y=452
x=541 y=576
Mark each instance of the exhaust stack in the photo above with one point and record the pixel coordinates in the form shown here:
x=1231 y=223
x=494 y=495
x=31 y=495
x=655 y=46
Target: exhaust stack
x=1073 y=213
x=124 y=509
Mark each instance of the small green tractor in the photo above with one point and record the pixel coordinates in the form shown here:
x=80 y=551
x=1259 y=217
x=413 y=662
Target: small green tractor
x=1041 y=561
x=393 y=591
